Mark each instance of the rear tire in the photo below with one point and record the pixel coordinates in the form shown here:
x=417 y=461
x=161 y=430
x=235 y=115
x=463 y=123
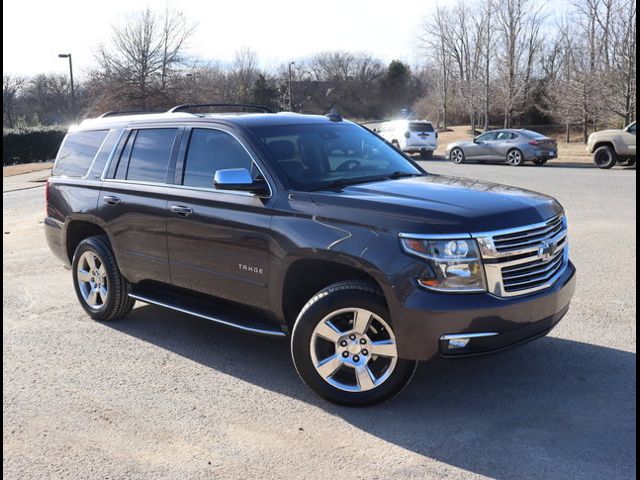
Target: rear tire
x=515 y=158
x=457 y=156
x=334 y=344
x=605 y=157
x=426 y=154
x=100 y=287
x=540 y=163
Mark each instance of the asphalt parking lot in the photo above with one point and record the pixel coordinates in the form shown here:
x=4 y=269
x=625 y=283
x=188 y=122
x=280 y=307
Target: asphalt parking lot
x=161 y=395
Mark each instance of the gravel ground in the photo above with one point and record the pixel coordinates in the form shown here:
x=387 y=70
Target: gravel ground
x=160 y=395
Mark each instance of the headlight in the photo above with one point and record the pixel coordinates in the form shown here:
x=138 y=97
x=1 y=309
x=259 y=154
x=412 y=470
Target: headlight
x=455 y=265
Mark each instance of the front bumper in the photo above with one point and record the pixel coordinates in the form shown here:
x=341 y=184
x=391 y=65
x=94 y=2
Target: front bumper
x=421 y=318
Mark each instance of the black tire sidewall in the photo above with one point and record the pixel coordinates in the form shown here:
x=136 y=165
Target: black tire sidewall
x=94 y=245
x=300 y=349
x=611 y=155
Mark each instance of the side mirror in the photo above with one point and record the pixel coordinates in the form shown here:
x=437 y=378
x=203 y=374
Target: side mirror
x=475 y=139
x=239 y=179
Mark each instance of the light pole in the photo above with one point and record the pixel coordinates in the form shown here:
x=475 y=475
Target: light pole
x=73 y=92
x=290 y=91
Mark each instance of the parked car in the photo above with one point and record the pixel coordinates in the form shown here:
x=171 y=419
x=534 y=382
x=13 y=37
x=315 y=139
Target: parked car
x=306 y=227
x=411 y=136
x=609 y=147
x=514 y=147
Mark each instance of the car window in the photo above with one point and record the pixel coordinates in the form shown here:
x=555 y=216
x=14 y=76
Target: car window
x=505 y=136
x=420 y=127
x=632 y=129
x=150 y=154
x=313 y=155
x=77 y=152
x=486 y=137
x=534 y=135
x=212 y=150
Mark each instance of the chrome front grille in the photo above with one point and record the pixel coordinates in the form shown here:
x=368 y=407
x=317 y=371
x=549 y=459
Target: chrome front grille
x=530 y=237
x=531 y=274
x=525 y=260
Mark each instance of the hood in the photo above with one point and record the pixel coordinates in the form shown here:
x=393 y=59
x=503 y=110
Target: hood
x=437 y=204
x=605 y=133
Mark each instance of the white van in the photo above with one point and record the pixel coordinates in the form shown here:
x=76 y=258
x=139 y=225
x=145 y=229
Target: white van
x=410 y=136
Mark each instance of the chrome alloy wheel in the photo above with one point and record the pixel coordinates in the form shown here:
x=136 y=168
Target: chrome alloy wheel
x=92 y=280
x=515 y=158
x=353 y=350
x=457 y=155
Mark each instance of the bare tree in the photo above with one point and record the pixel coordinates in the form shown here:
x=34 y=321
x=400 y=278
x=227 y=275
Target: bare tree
x=142 y=55
x=12 y=86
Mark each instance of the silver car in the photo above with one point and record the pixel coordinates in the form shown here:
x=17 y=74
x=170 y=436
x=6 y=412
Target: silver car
x=514 y=147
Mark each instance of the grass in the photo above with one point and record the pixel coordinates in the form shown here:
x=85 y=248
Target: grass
x=12 y=170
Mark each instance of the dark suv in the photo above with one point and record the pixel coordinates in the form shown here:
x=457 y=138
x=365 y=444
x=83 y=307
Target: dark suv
x=310 y=227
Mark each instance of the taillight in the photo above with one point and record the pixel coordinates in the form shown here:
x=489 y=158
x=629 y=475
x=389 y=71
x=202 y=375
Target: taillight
x=407 y=134
x=535 y=143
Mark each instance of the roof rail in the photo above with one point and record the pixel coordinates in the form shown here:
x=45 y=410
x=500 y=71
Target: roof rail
x=182 y=108
x=126 y=112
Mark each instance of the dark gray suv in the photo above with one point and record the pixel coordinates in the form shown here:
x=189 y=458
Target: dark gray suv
x=306 y=227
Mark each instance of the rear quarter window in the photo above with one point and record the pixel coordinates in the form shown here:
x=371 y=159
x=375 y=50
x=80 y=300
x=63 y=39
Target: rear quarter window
x=77 y=152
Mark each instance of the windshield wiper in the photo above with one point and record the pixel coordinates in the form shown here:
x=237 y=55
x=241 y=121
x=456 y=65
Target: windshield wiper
x=398 y=174
x=340 y=183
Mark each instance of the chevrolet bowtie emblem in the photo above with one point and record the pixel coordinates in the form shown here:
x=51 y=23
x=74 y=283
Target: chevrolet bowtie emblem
x=547 y=250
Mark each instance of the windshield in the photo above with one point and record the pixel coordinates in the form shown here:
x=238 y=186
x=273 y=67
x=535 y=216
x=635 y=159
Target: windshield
x=321 y=155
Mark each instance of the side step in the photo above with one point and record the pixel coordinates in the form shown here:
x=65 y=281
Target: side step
x=209 y=310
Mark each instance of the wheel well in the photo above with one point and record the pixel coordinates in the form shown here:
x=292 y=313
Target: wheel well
x=604 y=144
x=78 y=231
x=305 y=278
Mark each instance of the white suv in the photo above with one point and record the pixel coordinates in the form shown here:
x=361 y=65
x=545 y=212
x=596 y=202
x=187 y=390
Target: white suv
x=410 y=136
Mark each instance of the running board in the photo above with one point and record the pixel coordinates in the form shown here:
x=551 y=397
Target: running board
x=207 y=310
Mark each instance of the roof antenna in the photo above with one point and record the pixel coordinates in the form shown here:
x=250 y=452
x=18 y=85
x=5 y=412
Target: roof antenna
x=333 y=115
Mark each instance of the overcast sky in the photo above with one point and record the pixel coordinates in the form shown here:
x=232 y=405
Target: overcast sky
x=34 y=32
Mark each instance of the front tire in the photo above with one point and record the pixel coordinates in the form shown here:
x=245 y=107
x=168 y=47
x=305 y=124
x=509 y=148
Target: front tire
x=457 y=156
x=344 y=347
x=100 y=287
x=515 y=158
x=540 y=162
x=605 y=157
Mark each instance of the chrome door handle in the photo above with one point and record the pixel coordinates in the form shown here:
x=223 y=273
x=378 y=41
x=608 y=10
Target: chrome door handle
x=111 y=200
x=181 y=210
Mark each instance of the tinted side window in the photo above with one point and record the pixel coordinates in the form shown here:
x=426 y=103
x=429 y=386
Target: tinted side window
x=77 y=152
x=486 y=137
x=210 y=151
x=151 y=154
x=632 y=129
x=505 y=136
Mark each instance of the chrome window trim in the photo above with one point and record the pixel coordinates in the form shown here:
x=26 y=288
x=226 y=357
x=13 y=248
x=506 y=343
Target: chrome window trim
x=174 y=185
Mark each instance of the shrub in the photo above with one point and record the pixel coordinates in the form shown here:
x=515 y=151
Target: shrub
x=31 y=144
